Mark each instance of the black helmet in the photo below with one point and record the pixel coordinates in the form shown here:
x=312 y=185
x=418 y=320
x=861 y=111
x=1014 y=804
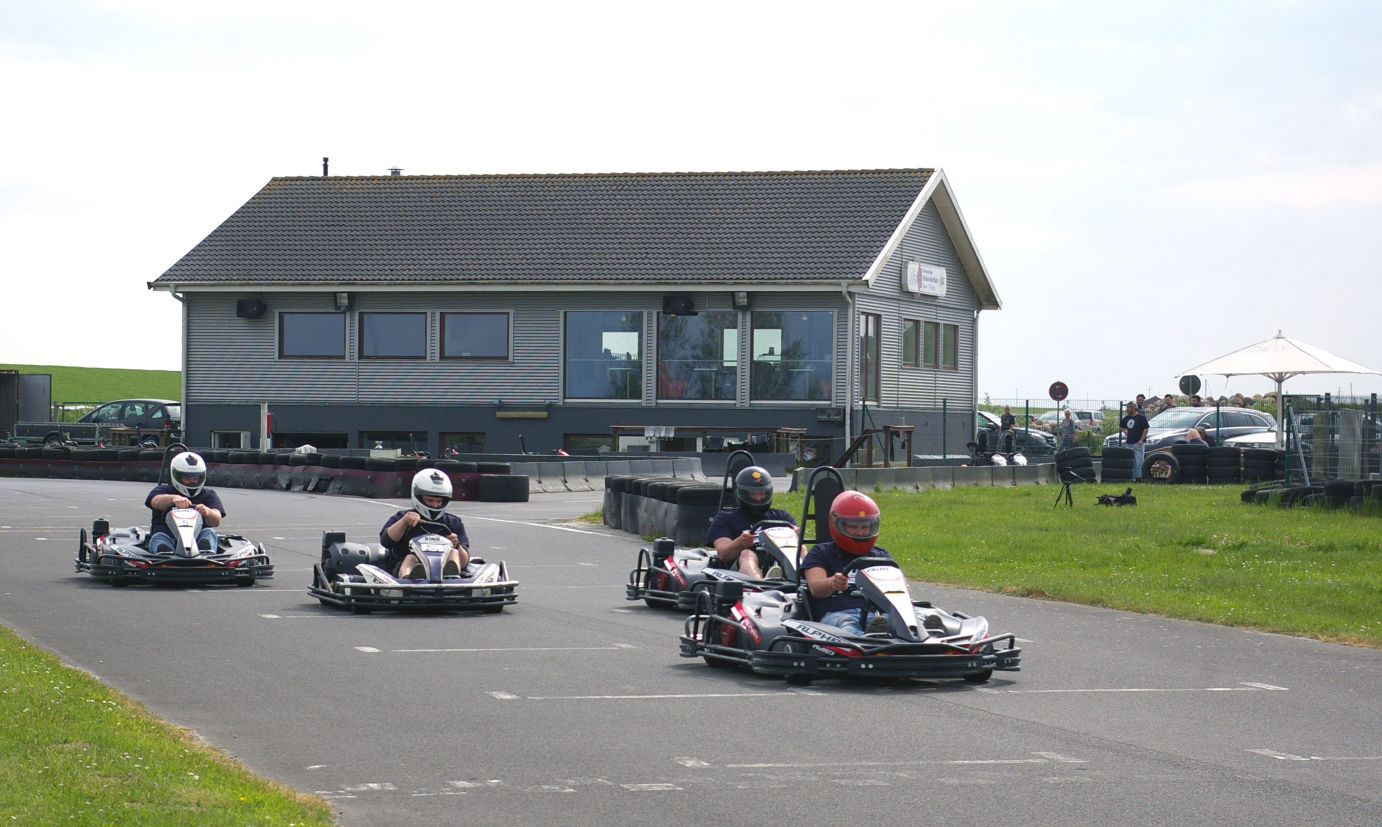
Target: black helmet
x=753 y=488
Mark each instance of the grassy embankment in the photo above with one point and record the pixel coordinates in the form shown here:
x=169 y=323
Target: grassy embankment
x=97 y=385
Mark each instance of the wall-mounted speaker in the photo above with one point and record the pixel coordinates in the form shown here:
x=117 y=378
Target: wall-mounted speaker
x=249 y=308
x=678 y=306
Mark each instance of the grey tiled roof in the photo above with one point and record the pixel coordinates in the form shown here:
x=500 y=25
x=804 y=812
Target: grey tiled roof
x=620 y=228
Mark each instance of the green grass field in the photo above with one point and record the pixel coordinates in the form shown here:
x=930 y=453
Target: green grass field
x=74 y=751
x=97 y=385
x=1192 y=552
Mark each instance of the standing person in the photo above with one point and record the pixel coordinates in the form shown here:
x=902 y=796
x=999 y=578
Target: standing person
x=1066 y=431
x=1142 y=404
x=1005 y=426
x=1196 y=402
x=431 y=494
x=1133 y=426
x=731 y=530
x=188 y=490
x=1168 y=402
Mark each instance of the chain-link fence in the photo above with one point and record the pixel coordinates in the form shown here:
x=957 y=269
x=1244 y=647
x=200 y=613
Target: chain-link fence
x=1332 y=437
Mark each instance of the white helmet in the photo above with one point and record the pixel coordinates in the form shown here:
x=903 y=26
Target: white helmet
x=188 y=471
x=429 y=482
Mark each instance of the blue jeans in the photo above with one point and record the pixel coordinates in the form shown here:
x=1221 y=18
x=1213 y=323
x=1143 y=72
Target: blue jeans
x=163 y=543
x=848 y=620
x=1139 y=453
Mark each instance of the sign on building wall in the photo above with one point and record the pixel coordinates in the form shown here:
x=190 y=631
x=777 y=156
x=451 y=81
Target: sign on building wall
x=923 y=278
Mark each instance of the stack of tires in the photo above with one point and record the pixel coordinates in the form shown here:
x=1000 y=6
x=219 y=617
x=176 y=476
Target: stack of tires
x=1260 y=465
x=1078 y=461
x=1222 y=464
x=1117 y=464
x=1193 y=459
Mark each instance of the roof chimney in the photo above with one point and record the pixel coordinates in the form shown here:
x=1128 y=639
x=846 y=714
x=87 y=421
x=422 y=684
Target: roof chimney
x=395 y=171
x=325 y=164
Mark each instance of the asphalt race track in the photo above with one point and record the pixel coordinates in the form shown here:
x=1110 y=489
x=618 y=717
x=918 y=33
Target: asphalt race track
x=573 y=707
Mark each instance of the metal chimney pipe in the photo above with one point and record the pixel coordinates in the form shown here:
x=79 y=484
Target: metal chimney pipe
x=325 y=165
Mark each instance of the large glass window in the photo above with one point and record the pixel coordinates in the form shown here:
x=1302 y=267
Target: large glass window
x=869 y=373
x=697 y=356
x=604 y=354
x=911 y=338
x=311 y=335
x=474 y=335
x=792 y=355
x=950 y=346
x=393 y=335
x=930 y=345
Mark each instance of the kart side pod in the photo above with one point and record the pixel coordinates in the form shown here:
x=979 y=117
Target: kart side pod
x=340 y=557
x=728 y=592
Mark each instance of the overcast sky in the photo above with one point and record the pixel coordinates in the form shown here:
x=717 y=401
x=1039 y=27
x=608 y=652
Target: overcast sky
x=1149 y=185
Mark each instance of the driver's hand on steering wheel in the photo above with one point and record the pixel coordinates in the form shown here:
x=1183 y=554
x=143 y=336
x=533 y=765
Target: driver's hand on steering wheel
x=746 y=539
x=181 y=502
x=455 y=541
x=839 y=581
x=411 y=518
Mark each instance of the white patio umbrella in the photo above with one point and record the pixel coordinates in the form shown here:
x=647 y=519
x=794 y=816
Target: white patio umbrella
x=1278 y=358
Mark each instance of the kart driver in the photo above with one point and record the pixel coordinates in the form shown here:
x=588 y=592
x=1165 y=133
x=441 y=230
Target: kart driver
x=854 y=519
x=731 y=532
x=188 y=490
x=431 y=494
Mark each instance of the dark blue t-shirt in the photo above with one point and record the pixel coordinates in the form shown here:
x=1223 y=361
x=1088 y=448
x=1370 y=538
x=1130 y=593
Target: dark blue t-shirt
x=205 y=497
x=731 y=522
x=832 y=559
x=400 y=548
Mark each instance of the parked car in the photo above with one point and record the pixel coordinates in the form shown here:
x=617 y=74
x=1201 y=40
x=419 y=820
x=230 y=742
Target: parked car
x=1219 y=424
x=1084 y=420
x=137 y=413
x=1029 y=441
x=150 y=422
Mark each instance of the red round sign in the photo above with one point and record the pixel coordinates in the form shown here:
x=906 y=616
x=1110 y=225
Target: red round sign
x=1059 y=391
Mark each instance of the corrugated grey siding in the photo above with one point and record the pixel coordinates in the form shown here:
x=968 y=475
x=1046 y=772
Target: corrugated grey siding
x=921 y=387
x=236 y=360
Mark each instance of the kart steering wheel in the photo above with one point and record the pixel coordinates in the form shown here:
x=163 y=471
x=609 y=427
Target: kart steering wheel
x=429 y=525
x=860 y=562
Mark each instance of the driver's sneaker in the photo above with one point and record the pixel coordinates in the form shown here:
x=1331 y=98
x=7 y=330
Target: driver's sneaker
x=774 y=572
x=450 y=569
x=417 y=572
x=878 y=624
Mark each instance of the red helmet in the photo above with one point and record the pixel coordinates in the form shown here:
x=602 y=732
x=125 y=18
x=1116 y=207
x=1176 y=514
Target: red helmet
x=854 y=522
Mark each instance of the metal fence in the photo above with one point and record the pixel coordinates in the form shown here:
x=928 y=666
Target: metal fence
x=1332 y=437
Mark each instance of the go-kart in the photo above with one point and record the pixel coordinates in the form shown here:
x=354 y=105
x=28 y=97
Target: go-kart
x=667 y=576
x=771 y=632
x=352 y=576
x=121 y=555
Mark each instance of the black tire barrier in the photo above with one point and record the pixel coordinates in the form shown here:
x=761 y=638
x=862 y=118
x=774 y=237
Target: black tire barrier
x=1115 y=474
x=492 y=467
x=1065 y=457
x=503 y=488
x=388 y=479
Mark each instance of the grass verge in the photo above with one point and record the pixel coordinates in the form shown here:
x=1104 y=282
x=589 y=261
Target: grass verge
x=96 y=385
x=73 y=750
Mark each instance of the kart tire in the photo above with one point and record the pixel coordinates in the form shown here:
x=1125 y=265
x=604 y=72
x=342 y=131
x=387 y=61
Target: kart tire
x=244 y=581
x=119 y=581
x=360 y=609
x=1161 y=468
x=979 y=677
x=81 y=546
x=493 y=610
